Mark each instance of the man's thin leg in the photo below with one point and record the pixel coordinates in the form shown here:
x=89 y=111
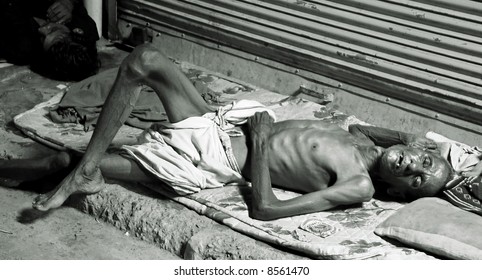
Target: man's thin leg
x=34 y=169
x=145 y=65
x=117 y=167
x=86 y=177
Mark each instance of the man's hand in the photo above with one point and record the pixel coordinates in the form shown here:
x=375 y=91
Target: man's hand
x=60 y=11
x=260 y=124
x=473 y=180
x=420 y=142
x=474 y=174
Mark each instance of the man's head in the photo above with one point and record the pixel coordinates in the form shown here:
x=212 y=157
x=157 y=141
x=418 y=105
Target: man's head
x=66 y=55
x=412 y=173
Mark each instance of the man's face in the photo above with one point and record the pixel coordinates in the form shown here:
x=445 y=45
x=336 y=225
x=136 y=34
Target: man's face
x=53 y=33
x=410 y=169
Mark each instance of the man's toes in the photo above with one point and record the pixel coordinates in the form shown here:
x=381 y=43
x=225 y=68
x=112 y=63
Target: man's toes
x=39 y=207
x=39 y=198
x=41 y=203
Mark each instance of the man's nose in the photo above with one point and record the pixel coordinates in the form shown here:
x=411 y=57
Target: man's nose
x=414 y=167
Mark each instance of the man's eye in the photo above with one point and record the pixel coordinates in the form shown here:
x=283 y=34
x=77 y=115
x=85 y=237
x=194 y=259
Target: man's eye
x=427 y=161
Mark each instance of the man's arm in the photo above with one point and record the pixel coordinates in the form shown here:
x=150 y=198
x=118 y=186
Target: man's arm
x=384 y=137
x=259 y=129
x=356 y=190
x=266 y=206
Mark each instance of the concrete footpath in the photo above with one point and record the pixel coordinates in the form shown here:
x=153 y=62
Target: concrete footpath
x=171 y=226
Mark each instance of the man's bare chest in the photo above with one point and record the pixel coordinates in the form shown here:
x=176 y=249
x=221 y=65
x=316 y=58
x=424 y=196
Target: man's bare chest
x=311 y=162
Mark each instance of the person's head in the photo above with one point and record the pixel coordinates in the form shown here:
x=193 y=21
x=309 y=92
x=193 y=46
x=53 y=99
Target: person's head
x=66 y=54
x=413 y=173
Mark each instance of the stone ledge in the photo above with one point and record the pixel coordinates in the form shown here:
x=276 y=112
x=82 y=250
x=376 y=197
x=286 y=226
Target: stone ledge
x=151 y=217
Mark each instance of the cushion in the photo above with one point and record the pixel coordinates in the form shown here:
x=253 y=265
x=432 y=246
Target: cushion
x=436 y=226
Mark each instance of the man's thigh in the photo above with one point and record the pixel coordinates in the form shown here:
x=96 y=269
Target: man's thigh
x=117 y=167
x=179 y=97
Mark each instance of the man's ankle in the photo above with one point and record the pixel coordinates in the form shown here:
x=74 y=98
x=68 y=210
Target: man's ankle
x=88 y=169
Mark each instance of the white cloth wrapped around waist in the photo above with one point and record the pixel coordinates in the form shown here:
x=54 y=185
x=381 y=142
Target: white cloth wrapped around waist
x=195 y=153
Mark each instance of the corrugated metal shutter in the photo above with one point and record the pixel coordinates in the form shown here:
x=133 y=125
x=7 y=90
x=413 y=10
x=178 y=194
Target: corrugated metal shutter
x=427 y=52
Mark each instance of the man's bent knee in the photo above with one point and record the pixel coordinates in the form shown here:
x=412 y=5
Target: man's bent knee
x=144 y=61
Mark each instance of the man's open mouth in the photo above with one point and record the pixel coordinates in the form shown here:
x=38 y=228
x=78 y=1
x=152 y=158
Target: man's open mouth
x=399 y=162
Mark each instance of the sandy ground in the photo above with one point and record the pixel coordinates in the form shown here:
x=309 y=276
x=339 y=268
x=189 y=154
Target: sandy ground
x=65 y=233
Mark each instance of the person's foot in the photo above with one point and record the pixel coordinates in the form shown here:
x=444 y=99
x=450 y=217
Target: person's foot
x=58 y=161
x=29 y=170
x=77 y=182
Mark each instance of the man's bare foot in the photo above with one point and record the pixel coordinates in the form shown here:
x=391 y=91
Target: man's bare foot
x=78 y=182
x=58 y=162
x=34 y=169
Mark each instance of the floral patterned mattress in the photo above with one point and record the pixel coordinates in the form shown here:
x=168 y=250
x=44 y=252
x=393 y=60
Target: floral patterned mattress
x=337 y=234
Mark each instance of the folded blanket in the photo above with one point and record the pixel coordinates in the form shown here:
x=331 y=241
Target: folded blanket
x=83 y=102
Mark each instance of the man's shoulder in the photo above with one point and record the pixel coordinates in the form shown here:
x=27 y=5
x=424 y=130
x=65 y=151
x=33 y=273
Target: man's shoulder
x=340 y=155
x=332 y=135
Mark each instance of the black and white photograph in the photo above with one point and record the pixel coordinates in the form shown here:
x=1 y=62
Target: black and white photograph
x=240 y=139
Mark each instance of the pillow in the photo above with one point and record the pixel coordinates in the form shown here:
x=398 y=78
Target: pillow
x=436 y=226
